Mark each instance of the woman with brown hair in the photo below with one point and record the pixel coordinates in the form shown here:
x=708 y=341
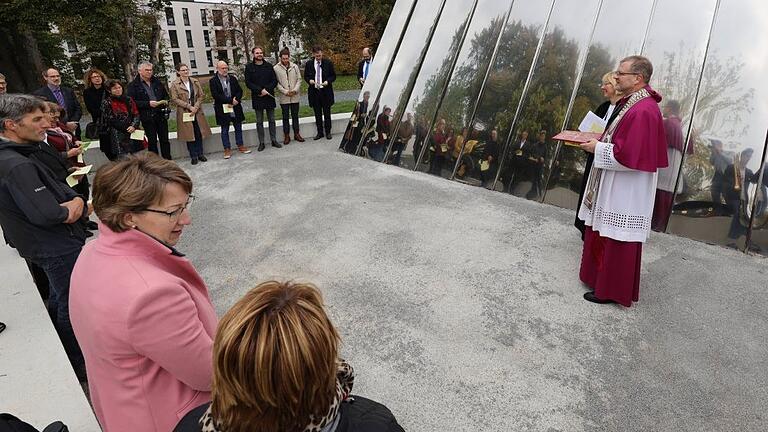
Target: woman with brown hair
x=95 y=91
x=121 y=118
x=192 y=126
x=141 y=312
x=276 y=367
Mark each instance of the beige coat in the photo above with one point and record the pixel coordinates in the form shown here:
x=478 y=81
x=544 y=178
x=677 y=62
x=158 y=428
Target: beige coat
x=287 y=79
x=180 y=98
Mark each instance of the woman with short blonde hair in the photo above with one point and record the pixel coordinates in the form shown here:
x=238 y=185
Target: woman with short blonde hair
x=276 y=367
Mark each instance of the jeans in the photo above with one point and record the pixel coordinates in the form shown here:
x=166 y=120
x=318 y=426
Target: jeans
x=238 y=133
x=260 y=124
x=293 y=110
x=157 y=130
x=322 y=119
x=196 y=147
x=59 y=270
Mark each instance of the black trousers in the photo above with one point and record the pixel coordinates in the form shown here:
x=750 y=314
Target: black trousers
x=322 y=119
x=293 y=111
x=156 y=130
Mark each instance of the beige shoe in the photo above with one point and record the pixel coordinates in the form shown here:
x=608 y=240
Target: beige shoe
x=244 y=149
x=227 y=153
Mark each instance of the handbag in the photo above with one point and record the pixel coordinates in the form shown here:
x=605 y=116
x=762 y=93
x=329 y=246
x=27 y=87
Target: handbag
x=92 y=130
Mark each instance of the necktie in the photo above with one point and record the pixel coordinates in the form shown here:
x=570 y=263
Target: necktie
x=59 y=97
x=365 y=69
x=318 y=74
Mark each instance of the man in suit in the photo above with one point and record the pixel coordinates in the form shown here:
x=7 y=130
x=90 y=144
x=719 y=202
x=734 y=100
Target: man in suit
x=320 y=75
x=151 y=98
x=54 y=92
x=227 y=93
x=261 y=79
x=364 y=67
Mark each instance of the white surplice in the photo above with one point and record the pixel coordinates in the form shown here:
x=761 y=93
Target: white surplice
x=624 y=203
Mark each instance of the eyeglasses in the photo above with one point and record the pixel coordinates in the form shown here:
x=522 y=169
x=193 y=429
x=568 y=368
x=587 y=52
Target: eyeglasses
x=618 y=73
x=173 y=216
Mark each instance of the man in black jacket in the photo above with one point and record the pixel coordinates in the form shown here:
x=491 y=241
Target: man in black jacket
x=261 y=79
x=320 y=75
x=227 y=96
x=54 y=92
x=40 y=216
x=151 y=98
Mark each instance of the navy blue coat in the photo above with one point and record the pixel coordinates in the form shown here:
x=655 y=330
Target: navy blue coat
x=217 y=91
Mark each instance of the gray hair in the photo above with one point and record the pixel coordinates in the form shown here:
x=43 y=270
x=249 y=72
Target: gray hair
x=641 y=66
x=15 y=106
x=2 y=77
x=145 y=63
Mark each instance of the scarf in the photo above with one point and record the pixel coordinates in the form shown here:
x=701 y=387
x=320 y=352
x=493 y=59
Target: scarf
x=345 y=379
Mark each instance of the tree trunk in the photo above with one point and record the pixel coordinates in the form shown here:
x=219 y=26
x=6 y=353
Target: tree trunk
x=127 y=54
x=154 y=44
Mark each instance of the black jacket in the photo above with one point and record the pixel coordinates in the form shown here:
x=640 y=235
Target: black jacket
x=217 y=91
x=92 y=97
x=139 y=94
x=357 y=415
x=324 y=96
x=258 y=77
x=74 y=112
x=30 y=214
x=360 y=71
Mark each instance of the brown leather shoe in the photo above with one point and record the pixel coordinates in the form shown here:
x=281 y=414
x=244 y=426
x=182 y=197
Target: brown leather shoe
x=227 y=153
x=244 y=149
x=287 y=139
x=297 y=136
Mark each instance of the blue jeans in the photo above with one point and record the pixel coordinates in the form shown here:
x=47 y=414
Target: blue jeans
x=225 y=133
x=196 y=147
x=59 y=270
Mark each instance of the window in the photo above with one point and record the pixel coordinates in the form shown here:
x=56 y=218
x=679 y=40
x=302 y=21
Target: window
x=207 y=38
x=221 y=38
x=174 y=39
x=169 y=16
x=236 y=56
x=230 y=18
x=223 y=55
x=209 y=55
x=71 y=46
x=176 y=59
x=192 y=60
x=185 y=16
x=233 y=37
x=218 y=18
x=204 y=17
x=189 y=39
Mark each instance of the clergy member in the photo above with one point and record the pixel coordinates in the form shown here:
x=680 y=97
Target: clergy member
x=618 y=202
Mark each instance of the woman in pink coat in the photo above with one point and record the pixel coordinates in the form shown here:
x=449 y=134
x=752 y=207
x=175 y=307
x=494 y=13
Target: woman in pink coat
x=140 y=311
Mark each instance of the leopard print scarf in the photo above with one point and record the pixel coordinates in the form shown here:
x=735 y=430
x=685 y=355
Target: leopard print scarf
x=345 y=379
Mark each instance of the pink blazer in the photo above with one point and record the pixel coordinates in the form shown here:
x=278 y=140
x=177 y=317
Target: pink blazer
x=146 y=324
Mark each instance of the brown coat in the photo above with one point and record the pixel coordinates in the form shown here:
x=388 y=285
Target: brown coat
x=180 y=98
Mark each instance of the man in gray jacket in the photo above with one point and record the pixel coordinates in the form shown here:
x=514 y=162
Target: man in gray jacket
x=288 y=89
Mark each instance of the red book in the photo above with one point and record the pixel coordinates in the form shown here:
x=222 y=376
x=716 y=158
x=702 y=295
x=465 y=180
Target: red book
x=576 y=137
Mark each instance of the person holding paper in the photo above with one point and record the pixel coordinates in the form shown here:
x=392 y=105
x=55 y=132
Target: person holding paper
x=40 y=217
x=490 y=158
x=605 y=112
x=227 y=96
x=320 y=74
x=192 y=126
x=261 y=79
x=618 y=202
x=121 y=115
x=151 y=98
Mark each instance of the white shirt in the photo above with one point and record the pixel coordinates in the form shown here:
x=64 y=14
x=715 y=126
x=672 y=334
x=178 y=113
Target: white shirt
x=318 y=73
x=623 y=207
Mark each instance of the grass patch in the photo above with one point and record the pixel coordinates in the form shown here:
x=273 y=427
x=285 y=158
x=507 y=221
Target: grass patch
x=342 y=83
x=250 y=115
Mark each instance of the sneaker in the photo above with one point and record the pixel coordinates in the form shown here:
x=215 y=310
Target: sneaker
x=203 y=158
x=244 y=149
x=227 y=153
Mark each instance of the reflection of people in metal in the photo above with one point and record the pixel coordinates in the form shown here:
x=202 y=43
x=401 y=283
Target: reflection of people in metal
x=364 y=66
x=736 y=179
x=604 y=111
x=404 y=134
x=665 y=187
x=490 y=158
x=421 y=136
x=719 y=162
x=376 y=148
x=439 y=147
x=356 y=123
x=618 y=202
x=528 y=162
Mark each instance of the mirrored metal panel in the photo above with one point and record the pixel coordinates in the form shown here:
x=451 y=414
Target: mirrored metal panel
x=466 y=82
x=729 y=128
x=545 y=106
x=399 y=81
x=617 y=35
x=399 y=19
